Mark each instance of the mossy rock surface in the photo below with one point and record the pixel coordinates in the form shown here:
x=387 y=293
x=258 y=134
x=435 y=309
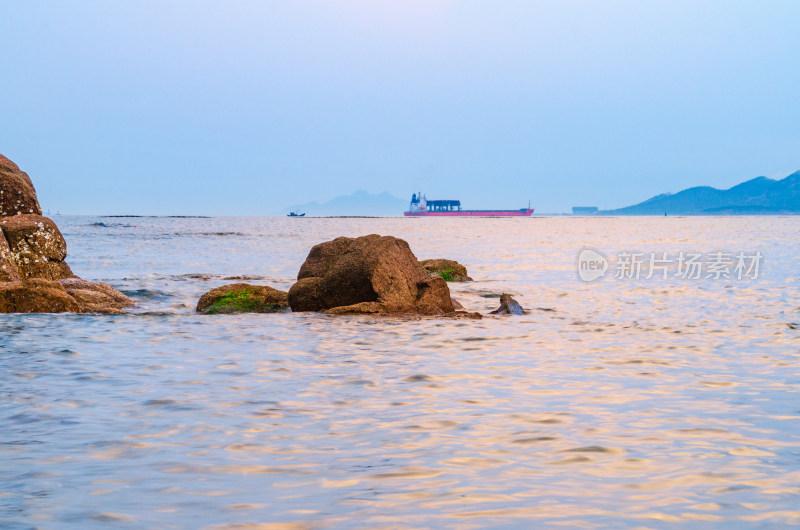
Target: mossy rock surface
x=242 y=298
x=447 y=269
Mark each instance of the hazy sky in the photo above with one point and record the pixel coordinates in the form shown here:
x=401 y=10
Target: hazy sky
x=197 y=107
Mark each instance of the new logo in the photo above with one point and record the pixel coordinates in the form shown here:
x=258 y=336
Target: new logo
x=592 y=265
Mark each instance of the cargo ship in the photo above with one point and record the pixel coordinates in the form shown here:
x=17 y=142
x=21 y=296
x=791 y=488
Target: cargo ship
x=421 y=207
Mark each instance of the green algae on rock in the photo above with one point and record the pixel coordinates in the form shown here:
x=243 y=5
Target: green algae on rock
x=242 y=298
x=447 y=269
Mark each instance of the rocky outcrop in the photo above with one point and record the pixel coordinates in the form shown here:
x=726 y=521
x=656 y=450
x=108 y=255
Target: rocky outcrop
x=447 y=269
x=508 y=306
x=34 y=278
x=37 y=247
x=242 y=298
x=17 y=194
x=368 y=275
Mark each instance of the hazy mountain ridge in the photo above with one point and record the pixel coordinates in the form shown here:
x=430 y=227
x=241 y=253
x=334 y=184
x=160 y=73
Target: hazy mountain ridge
x=358 y=203
x=760 y=195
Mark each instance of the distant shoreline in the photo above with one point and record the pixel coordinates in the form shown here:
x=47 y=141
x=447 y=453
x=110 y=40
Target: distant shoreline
x=537 y=216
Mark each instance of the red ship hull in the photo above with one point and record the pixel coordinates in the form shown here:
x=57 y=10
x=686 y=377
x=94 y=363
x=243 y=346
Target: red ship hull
x=524 y=212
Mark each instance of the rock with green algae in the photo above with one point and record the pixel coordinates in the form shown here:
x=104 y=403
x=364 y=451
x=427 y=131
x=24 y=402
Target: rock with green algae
x=447 y=269
x=242 y=298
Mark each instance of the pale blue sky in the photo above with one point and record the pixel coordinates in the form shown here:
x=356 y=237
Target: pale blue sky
x=167 y=107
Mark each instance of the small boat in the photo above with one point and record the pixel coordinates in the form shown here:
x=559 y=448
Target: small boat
x=420 y=206
x=296 y=214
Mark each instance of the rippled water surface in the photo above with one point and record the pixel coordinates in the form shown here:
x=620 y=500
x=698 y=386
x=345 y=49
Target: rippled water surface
x=617 y=403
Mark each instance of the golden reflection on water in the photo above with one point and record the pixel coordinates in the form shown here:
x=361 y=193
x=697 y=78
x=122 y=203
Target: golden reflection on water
x=610 y=404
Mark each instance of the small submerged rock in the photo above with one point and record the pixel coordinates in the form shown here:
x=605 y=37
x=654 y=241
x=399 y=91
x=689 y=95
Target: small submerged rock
x=460 y=313
x=447 y=269
x=508 y=306
x=242 y=298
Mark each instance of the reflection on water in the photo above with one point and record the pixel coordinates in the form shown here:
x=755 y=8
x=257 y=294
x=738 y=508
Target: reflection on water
x=610 y=404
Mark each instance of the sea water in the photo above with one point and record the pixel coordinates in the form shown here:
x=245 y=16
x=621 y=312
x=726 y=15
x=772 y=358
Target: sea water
x=626 y=401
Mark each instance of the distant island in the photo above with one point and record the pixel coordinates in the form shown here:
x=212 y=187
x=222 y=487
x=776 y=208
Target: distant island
x=758 y=196
x=360 y=203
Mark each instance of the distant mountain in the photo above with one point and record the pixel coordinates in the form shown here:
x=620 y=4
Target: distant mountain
x=757 y=196
x=358 y=203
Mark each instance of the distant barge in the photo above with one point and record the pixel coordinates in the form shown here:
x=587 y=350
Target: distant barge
x=421 y=207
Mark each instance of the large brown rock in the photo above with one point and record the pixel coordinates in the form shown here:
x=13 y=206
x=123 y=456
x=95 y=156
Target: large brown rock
x=95 y=297
x=367 y=275
x=242 y=298
x=447 y=269
x=37 y=246
x=17 y=194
